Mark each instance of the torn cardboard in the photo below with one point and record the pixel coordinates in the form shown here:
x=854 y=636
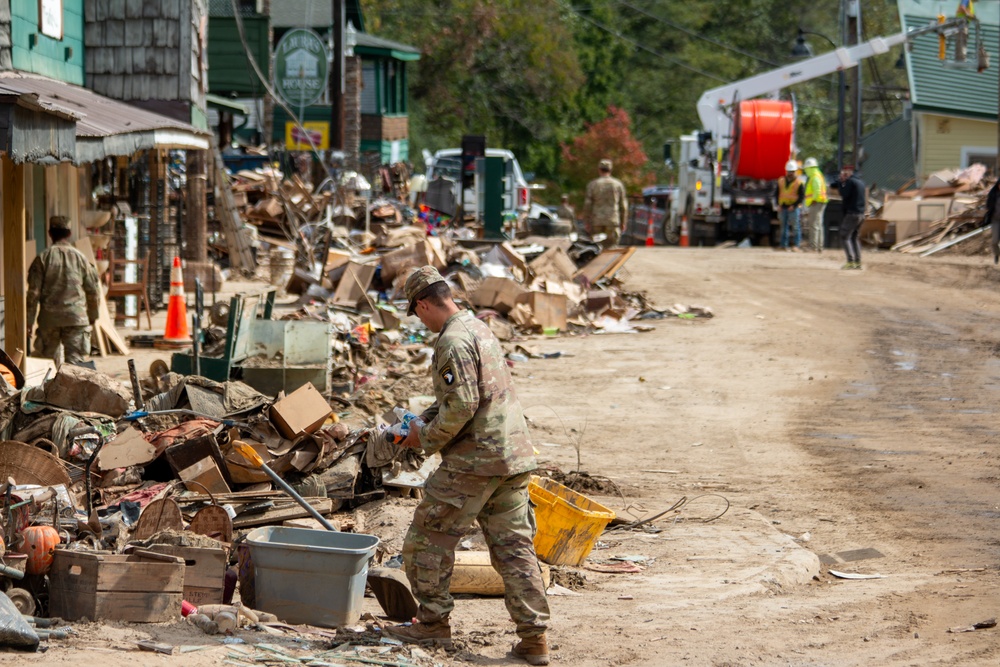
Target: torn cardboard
x=500 y=294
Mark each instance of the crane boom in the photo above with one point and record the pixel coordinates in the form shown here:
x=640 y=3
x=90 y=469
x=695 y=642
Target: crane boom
x=713 y=103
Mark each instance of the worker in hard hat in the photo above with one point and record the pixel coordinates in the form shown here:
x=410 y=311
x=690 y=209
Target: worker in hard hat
x=791 y=195
x=815 y=202
x=967 y=10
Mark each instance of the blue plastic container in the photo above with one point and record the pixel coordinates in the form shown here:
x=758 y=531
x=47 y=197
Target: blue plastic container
x=315 y=577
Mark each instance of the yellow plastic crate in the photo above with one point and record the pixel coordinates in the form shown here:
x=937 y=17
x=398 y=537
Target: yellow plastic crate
x=568 y=523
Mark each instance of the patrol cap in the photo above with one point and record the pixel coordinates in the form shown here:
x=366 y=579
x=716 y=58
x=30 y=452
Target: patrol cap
x=59 y=222
x=604 y=164
x=417 y=282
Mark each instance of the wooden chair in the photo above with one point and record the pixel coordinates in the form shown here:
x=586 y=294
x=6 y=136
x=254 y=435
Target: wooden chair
x=117 y=289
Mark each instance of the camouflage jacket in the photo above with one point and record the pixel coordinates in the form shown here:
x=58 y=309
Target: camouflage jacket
x=476 y=420
x=62 y=288
x=606 y=204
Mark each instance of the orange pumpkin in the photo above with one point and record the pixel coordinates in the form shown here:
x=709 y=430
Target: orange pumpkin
x=39 y=543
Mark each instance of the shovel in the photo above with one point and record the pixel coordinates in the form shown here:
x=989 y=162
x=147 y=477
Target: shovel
x=254 y=459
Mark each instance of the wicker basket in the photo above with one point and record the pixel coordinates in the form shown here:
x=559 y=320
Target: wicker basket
x=31 y=465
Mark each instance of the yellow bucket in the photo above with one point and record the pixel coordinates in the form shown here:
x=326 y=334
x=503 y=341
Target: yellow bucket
x=569 y=523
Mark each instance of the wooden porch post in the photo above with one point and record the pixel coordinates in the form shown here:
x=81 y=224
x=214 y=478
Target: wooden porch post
x=15 y=274
x=196 y=223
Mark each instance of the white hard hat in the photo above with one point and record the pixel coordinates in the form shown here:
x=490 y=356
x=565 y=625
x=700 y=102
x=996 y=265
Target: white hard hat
x=791 y=165
x=811 y=162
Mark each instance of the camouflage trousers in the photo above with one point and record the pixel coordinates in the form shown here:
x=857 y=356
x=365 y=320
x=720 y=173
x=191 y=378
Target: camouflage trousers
x=75 y=342
x=451 y=503
x=612 y=232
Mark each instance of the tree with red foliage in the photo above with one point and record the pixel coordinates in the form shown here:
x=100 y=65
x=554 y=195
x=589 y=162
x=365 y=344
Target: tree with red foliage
x=610 y=138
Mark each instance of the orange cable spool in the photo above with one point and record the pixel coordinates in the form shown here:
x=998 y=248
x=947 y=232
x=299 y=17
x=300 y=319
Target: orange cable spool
x=763 y=133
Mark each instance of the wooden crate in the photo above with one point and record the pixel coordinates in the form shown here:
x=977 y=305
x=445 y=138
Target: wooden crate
x=204 y=572
x=104 y=586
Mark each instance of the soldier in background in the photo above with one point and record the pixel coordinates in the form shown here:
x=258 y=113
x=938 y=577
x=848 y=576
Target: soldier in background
x=63 y=291
x=606 y=206
x=565 y=210
x=477 y=425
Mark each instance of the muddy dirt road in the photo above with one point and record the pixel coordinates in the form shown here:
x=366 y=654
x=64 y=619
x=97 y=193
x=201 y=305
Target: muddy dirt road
x=847 y=417
x=855 y=411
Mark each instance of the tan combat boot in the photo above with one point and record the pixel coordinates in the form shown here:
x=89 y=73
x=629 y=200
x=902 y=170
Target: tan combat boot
x=533 y=650
x=437 y=632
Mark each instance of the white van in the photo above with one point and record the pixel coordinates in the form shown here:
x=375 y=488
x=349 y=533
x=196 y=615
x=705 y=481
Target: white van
x=447 y=162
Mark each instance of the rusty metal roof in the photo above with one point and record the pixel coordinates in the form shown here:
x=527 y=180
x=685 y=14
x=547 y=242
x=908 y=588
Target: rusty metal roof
x=104 y=127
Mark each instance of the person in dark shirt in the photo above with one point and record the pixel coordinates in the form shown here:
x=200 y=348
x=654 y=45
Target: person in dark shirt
x=852 y=193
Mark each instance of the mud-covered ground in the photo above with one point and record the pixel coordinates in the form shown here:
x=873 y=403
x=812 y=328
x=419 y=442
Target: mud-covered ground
x=844 y=415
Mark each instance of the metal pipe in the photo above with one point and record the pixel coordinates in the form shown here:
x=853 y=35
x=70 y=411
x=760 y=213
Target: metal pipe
x=90 y=462
x=254 y=459
x=11 y=572
x=136 y=390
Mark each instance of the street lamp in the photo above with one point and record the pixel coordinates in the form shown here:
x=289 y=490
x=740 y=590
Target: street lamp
x=802 y=49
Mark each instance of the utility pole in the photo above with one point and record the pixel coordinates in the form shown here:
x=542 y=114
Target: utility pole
x=851 y=22
x=267 y=126
x=337 y=79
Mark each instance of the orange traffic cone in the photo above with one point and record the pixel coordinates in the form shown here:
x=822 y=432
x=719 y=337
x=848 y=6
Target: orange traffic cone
x=649 y=230
x=177 y=327
x=685 y=240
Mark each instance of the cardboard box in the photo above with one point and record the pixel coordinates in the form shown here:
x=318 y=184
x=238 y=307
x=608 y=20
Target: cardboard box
x=103 y=586
x=302 y=411
x=267 y=209
x=129 y=448
x=204 y=571
x=601 y=299
x=548 y=310
x=353 y=284
x=554 y=263
x=500 y=294
x=412 y=256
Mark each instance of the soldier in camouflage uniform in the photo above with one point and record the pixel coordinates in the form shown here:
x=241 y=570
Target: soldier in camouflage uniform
x=63 y=291
x=606 y=206
x=477 y=425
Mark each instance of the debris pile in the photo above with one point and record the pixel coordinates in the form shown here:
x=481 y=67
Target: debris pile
x=166 y=486
x=945 y=215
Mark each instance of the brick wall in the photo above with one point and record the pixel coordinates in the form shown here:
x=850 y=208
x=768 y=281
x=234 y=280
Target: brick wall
x=388 y=128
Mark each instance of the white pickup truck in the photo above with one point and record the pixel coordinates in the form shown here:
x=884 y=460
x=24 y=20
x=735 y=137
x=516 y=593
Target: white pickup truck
x=447 y=162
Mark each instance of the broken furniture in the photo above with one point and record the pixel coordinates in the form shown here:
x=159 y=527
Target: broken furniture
x=125 y=288
x=269 y=355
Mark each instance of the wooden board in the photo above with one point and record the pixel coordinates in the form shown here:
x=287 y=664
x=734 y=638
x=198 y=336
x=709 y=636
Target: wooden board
x=282 y=512
x=607 y=264
x=353 y=284
x=104 y=326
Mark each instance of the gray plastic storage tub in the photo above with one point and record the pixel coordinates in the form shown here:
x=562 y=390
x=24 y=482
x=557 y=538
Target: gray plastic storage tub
x=308 y=576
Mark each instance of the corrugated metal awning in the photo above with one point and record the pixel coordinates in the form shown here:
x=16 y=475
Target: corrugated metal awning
x=104 y=127
x=31 y=133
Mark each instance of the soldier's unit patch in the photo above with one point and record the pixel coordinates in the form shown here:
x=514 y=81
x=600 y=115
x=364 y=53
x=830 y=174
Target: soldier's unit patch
x=448 y=375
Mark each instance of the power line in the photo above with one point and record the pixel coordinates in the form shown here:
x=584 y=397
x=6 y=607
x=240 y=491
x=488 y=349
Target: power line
x=647 y=49
x=692 y=33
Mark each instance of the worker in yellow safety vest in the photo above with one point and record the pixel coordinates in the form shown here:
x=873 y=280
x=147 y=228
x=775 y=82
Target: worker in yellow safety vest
x=966 y=9
x=815 y=203
x=791 y=194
